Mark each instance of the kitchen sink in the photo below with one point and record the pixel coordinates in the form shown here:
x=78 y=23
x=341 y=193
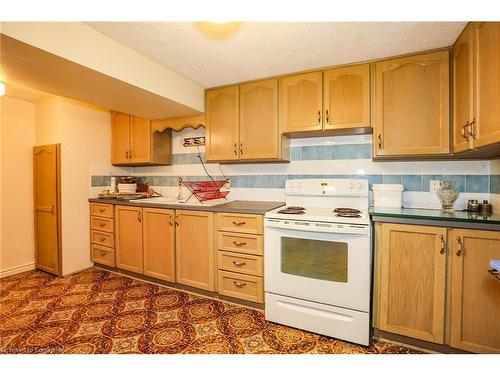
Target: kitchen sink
x=191 y=202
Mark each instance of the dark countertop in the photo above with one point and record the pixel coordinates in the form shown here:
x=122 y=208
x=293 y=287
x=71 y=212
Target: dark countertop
x=429 y=214
x=240 y=207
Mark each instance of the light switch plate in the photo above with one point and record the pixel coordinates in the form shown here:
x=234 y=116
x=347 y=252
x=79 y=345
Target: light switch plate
x=434 y=185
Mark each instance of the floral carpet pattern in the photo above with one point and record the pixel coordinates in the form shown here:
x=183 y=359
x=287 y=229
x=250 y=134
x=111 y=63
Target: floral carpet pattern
x=97 y=311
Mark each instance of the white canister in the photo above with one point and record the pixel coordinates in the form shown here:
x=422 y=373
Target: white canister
x=388 y=195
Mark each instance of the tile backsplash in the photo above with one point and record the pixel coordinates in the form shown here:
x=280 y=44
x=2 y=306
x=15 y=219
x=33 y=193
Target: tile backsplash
x=325 y=157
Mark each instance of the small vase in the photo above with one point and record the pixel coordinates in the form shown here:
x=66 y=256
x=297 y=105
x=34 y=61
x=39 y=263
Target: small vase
x=447 y=195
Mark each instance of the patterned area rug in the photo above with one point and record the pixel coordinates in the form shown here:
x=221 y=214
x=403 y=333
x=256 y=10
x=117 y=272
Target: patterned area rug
x=97 y=311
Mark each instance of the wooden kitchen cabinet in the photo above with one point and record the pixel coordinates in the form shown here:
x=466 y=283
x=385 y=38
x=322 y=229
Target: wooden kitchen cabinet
x=133 y=142
x=301 y=102
x=346 y=97
x=222 y=117
x=159 y=243
x=194 y=245
x=242 y=124
x=411 y=269
x=476 y=86
x=129 y=238
x=412 y=105
x=486 y=129
x=475 y=294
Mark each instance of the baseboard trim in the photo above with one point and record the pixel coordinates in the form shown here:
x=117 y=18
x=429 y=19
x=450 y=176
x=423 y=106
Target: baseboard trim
x=18 y=269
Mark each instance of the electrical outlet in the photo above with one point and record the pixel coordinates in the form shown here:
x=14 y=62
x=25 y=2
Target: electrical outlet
x=434 y=185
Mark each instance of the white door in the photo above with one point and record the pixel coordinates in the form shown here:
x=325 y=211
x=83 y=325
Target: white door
x=330 y=268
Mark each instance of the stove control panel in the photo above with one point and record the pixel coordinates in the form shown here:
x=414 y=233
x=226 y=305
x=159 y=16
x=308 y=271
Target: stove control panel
x=327 y=187
x=311 y=226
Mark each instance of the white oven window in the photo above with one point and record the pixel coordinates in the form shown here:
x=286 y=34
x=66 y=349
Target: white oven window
x=316 y=259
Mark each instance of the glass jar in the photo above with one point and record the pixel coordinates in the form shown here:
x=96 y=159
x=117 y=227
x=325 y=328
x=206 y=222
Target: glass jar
x=447 y=195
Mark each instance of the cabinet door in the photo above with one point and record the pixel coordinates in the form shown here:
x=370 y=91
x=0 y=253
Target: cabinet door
x=346 y=97
x=301 y=102
x=462 y=89
x=475 y=294
x=159 y=244
x=120 y=138
x=259 y=133
x=412 y=281
x=140 y=140
x=487 y=53
x=223 y=123
x=194 y=249
x=128 y=238
x=411 y=103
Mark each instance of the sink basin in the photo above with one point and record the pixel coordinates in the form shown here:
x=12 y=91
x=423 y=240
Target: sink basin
x=191 y=202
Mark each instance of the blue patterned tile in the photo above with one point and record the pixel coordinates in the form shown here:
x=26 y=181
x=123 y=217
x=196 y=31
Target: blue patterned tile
x=156 y=180
x=106 y=180
x=412 y=182
x=367 y=150
x=374 y=179
x=294 y=177
x=495 y=184
x=279 y=181
x=391 y=179
x=477 y=184
x=309 y=152
x=324 y=152
x=96 y=181
x=267 y=181
x=426 y=180
x=296 y=153
x=458 y=180
x=243 y=181
x=357 y=151
x=340 y=152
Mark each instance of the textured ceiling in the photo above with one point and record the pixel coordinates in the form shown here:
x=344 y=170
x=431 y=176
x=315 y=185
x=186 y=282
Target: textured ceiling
x=262 y=49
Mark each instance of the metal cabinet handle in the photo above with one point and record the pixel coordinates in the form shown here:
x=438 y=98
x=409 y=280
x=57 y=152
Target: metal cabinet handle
x=460 y=246
x=241 y=148
x=170 y=220
x=238 y=264
x=239 y=223
x=235 y=148
x=327 y=117
x=102 y=225
x=177 y=220
x=102 y=252
x=237 y=243
x=102 y=210
x=139 y=217
x=443 y=244
x=319 y=118
x=239 y=285
x=379 y=141
x=471 y=129
x=464 y=132
x=102 y=239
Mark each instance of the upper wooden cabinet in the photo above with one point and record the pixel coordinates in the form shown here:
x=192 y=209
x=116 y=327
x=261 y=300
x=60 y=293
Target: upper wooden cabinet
x=242 y=123
x=222 y=116
x=346 y=97
x=411 y=105
x=476 y=86
x=133 y=142
x=412 y=274
x=301 y=102
x=475 y=294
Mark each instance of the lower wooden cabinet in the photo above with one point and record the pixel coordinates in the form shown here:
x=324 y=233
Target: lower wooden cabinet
x=412 y=281
x=159 y=243
x=475 y=294
x=129 y=238
x=194 y=244
x=412 y=289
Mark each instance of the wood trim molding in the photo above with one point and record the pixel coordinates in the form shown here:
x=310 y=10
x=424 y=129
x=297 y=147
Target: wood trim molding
x=178 y=123
x=17 y=269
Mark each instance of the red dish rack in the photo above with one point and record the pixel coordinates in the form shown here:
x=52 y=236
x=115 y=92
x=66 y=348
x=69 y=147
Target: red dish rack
x=206 y=190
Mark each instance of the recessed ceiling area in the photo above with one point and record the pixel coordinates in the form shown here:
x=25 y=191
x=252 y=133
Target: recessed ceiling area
x=256 y=50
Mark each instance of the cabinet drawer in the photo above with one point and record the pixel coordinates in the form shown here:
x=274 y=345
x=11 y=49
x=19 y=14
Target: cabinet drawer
x=102 y=255
x=103 y=224
x=240 y=243
x=239 y=223
x=248 y=264
x=102 y=238
x=240 y=286
x=99 y=209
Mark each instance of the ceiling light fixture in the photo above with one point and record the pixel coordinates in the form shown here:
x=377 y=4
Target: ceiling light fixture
x=2 y=88
x=219 y=29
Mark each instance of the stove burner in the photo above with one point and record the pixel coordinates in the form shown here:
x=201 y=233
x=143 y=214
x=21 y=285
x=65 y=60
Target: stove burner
x=292 y=210
x=347 y=214
x=345 y=210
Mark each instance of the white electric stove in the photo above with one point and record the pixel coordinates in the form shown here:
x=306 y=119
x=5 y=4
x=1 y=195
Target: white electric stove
x=318 y=259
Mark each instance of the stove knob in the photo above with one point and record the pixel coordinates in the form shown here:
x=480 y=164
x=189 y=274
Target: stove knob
x=360 y=186
x=351 y=186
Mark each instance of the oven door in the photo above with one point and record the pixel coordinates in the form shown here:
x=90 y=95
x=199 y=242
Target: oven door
x=329 y=268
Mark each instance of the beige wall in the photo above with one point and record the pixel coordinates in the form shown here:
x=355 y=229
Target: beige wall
x=17 y=140
x=84 y=132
